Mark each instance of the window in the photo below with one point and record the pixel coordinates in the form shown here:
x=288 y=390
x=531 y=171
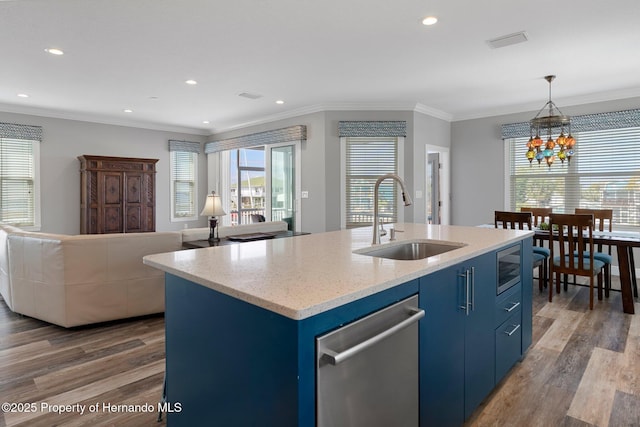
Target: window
x=19 y=183
x=184 y=171
x=247 y=189
x=366 y=158
x=254 y=179
x=604 y=173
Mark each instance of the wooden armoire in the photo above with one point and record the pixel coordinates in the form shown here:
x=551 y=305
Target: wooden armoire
x=117 y=194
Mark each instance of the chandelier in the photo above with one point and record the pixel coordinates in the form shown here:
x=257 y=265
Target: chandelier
x=554 y=122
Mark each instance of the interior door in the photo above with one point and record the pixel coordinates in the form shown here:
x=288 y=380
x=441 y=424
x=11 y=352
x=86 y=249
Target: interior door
x=433 y=188
x=282 y=159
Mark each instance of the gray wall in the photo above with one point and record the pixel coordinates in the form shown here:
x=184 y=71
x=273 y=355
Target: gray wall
x=427 y=131
x=312 y=163
x=64 y=140
x=320 y=159
x=478 y=167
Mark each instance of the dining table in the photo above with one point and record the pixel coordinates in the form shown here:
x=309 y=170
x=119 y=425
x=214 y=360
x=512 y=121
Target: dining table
x=624 y=242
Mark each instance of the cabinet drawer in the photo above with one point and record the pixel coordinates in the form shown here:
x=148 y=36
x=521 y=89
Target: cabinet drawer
x=507 y=304
x=508 y=344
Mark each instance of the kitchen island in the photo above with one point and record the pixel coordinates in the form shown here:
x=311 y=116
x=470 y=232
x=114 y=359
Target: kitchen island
x=241 y=320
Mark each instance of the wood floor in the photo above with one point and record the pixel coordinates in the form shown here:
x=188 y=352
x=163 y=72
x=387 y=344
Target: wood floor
x=119 y=363
x=583 y=369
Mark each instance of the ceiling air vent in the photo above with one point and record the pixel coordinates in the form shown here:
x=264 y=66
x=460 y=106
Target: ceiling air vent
x=250 y=95
x=508 y=40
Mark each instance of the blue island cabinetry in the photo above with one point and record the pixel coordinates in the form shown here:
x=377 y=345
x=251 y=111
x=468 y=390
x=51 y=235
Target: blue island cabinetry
x=230 y=362
x=471 y=336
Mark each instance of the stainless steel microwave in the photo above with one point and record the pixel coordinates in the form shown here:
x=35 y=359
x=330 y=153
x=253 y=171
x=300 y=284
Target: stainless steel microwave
x=508 y=264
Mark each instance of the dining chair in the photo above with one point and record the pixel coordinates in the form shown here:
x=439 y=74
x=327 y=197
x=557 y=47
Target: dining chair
x=539 y=216
x=518 y=221
x=603 y=221
x=575 y=245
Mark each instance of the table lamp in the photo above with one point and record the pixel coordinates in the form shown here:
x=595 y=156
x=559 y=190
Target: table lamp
x=213 y=209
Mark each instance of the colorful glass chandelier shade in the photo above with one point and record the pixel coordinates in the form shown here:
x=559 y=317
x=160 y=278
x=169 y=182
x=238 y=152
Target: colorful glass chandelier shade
x=552 y=123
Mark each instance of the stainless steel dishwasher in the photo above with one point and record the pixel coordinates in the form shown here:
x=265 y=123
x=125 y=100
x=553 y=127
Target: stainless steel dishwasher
x=367 y=371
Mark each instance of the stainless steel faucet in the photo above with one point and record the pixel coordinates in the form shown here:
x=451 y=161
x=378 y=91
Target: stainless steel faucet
x=406 y=198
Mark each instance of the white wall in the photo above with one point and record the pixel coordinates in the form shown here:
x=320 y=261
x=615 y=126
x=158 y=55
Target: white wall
x=477 y=154
x=65 y=140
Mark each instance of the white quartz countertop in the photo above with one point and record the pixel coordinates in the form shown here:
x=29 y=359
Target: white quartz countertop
x=301 y=276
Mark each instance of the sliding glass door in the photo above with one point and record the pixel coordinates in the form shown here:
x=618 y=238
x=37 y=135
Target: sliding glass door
x=262 y=183
x=283 y=185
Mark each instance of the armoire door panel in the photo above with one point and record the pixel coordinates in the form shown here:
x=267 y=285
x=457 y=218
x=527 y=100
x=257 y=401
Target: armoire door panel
x=112 y=218
x=112 y=189
x=133 y=219
x=134 y=188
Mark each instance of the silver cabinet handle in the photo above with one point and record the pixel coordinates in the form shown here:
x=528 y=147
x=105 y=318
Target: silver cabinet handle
x=335 y=358
x=513 y=331
x=513 y=307
x=465 y=307
x=473 y=288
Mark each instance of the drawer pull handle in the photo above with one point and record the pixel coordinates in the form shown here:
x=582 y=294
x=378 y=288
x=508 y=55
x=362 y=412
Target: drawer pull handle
x=513 y=307
x=513 y=331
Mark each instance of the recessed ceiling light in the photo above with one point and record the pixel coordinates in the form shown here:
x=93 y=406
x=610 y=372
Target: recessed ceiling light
x=153 y=98
x=191 y=82
x=23 y=95
x=128 y=110
x=280 y=101
x=54 y=51
x=206 y=122
x=429 y=20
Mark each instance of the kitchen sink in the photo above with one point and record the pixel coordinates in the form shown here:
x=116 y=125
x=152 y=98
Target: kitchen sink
x=410 y=249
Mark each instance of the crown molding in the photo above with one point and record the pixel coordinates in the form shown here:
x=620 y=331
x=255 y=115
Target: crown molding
x=438 y=114
x=320 y=108
x=95 y=118
x=566 y=102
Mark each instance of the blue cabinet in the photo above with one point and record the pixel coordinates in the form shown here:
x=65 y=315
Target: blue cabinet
x=471 y=336
x=508 y=333
x=442 y=349
x=457 y=368
x=232 y=363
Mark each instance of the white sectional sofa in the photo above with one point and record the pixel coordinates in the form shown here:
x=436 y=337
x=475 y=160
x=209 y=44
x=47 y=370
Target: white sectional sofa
x=83 y=279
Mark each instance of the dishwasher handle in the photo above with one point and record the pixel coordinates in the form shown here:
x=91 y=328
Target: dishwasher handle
x=334 y=358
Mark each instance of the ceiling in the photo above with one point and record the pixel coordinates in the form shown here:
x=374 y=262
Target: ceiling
x=313 y=54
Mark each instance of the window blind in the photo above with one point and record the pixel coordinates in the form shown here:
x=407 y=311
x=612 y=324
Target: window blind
x=183 y=167
x=366 y=160
x=604 y=173
x=17 y=182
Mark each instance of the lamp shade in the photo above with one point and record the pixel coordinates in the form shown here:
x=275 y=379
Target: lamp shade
x=213 y=206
